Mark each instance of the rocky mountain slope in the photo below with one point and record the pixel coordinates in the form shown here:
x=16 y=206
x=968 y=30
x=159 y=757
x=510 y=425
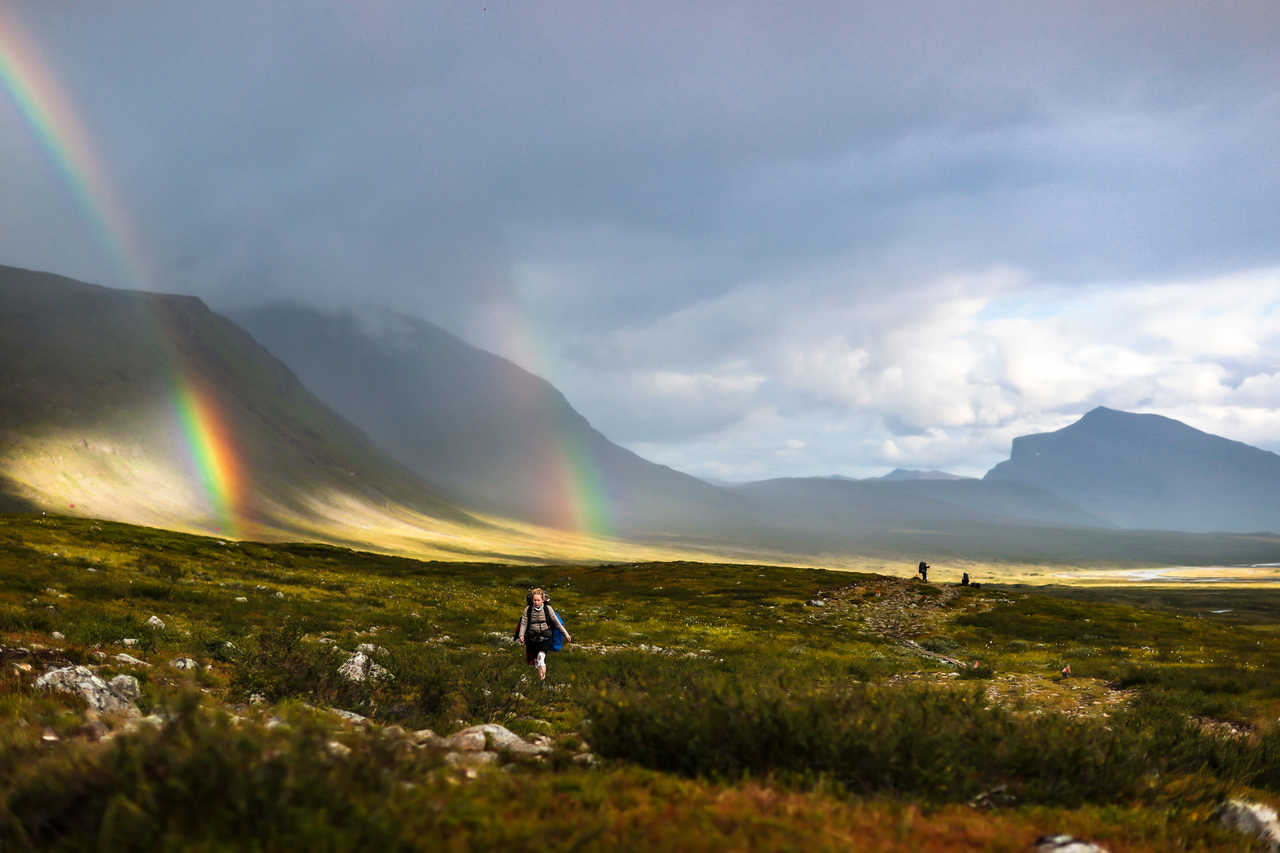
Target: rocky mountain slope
x=1148 y=471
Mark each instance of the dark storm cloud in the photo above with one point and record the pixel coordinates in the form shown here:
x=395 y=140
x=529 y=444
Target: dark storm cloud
x=717 y=214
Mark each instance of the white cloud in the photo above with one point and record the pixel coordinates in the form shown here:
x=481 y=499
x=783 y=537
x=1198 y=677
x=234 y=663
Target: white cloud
x=946 y=373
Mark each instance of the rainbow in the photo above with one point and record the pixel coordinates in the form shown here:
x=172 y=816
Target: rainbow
x=53 y=120
x=587 y=505
x=576 y=491
x=212 y=452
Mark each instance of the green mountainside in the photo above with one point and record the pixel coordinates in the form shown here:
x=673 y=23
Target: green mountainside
x=97 y=388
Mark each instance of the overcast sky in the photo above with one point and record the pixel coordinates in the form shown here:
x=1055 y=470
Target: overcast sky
x=744 y=239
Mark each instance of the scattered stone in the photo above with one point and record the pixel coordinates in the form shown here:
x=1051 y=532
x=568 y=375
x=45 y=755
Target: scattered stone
x=585 y=759
x=1065 y=844
x=471 y=759
x=257 y=699
x=499 y=739
x=338 y=749
x=326 y=641
x=152 y=721
x=279 y=594
x=393 y=731
x=428 y=738
x=21 y=666
x=370 y=648
x=130 y=660
x=129 y=642
x=997 y=796
x=349 y=716
x=241 y=599
x=58 y=635
x=467 y=740
x=50 y=736
x=817 y=602
x=155 y=622
x=1253 y=819
x=184 y=664
x=360 y=667
x=125 y=686
x=117 y=696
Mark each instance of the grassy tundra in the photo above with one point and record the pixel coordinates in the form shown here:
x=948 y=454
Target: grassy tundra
x=703 y=707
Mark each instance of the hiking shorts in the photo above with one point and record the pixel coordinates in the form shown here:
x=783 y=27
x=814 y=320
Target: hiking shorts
x=533 y=645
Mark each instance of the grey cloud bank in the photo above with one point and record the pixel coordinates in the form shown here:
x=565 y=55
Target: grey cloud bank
x=744 y=240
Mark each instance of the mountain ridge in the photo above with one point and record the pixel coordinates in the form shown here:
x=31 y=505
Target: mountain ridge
x=1143 y=470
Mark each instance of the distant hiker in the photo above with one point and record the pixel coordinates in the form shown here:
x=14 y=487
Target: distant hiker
x=964 y=579
x=540 y=630
x=923 y=570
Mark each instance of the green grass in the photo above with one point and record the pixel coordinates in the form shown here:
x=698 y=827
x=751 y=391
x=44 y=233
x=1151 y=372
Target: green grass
x=727 y=711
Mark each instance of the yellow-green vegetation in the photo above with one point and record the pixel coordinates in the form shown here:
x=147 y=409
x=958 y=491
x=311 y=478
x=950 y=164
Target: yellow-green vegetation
x=701 y=707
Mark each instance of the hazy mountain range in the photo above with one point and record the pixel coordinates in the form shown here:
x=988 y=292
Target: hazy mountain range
x=403 y=418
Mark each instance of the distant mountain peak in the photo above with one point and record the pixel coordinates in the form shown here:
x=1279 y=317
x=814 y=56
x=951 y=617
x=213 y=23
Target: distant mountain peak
x=915 y=474
x=1143 y=470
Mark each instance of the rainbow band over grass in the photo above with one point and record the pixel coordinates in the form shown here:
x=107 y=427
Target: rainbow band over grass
x=588 y=505
x=53 y=121
x=213 y=453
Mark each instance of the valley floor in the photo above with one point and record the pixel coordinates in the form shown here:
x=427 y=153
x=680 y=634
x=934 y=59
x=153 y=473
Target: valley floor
x=307 y=696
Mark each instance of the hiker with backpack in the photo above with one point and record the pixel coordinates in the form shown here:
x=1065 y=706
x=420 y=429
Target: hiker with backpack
x=540 y=630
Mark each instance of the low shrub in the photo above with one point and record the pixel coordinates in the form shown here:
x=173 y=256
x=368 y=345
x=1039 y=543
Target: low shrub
x=939 y=745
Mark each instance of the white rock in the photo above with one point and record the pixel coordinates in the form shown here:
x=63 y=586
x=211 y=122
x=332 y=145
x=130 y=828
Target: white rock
x=500 y=739
x=241 y=599
x=471 y=759
x=467 y=740
x=125 y=686
x=279 y=594
x=338 y=749
x=370 y=648
x=817 y=602
x=58 y=635
x=183 y=663
x=1252 y=819
x=156 y=622
x=153 y=721
x=257 y=699
x=129 y=642
x=349 y=716
x=426 y=737
x=359 y=667
x=130 y=660
x=101 y=696
x=1065 y=844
